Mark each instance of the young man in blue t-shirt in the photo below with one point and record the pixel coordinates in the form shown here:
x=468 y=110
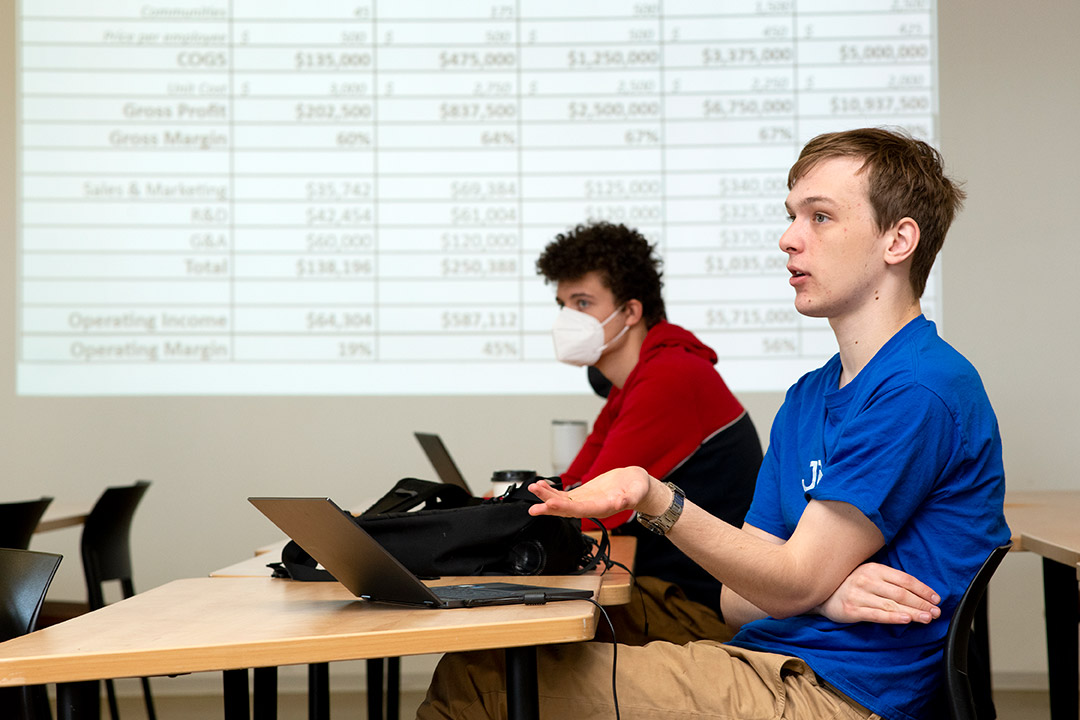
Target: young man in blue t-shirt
x=883 y=466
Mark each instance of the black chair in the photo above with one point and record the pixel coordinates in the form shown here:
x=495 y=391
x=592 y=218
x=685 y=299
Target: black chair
x=25 y=575
x=18 y=521
x=967 y=649
x=106 y=557
x=106 y=541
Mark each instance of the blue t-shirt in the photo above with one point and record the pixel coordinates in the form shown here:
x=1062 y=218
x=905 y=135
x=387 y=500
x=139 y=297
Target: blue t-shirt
x=913 y=443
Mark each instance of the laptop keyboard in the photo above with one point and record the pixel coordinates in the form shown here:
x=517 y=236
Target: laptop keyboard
x=468 y=592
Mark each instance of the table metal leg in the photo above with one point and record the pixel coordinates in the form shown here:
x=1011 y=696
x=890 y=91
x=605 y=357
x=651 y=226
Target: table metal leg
x=393 y=688
x=319 y=691
x=383 y=681
x=235 y=686
x=1061 y=595
x=78 y=701
x=522 y=691
x=375 y=689
x=265 y=703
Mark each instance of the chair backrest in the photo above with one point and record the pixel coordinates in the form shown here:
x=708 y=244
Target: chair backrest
x=106 y=540
x=958 y=686
x=25 y=575
x=18 y=521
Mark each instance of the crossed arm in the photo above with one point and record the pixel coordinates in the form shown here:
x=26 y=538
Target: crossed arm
x=871 y=593
x=820 y=568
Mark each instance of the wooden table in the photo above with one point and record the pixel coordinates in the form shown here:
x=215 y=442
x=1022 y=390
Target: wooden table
x=61 y=515
x=615 y=589
x=230 y=624
x=1048 y=523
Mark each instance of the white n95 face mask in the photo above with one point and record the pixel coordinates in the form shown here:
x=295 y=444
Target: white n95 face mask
x=579 y=337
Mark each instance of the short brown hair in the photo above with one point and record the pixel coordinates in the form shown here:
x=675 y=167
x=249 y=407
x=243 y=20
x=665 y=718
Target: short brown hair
x=905 y=177
x=622 y=257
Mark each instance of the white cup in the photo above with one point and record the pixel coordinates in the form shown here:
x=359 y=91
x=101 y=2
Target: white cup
x=567 y=437
x=503 y=480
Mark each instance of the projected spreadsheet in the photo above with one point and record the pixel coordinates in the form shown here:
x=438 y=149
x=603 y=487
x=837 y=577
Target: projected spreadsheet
x=349 y=197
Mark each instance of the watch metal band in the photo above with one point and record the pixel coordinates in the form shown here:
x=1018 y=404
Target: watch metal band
x=661 y=524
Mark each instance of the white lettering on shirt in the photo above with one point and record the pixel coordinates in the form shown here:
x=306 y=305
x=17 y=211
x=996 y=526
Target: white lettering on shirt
x=815 y=476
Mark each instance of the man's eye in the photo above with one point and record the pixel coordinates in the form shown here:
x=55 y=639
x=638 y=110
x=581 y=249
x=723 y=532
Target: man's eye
x=820 y=217
x=790 y=218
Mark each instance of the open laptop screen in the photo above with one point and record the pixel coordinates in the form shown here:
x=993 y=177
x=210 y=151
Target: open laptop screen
x=440 y=459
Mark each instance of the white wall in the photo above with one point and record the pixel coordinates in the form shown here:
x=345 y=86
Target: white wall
x=1010 y=99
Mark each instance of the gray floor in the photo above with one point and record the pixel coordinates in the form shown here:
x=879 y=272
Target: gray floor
x=1017 y=705
x=290 y=707
x=1011 y=706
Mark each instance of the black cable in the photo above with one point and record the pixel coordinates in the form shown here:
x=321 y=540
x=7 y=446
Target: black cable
x=640 y=592
x=596 y=551
x=614 y=656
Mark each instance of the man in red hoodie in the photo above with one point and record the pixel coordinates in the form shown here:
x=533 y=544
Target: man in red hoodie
x=668 y=411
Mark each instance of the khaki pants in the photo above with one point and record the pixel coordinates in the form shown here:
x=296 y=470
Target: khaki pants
x=658 y=681
x=659 y=610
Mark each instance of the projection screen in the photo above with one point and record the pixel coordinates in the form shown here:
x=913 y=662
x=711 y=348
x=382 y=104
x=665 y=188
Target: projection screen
x=261 y=197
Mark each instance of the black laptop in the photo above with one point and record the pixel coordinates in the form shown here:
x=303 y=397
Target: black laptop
x=440 y=459
x=361 y=564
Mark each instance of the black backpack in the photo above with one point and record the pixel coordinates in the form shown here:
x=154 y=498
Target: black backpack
x=454 y=533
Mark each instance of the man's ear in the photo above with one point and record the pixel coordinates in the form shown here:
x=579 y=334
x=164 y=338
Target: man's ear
x=903 y=239
x=634 y=312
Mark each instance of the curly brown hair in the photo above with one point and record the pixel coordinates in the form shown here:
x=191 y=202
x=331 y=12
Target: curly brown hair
x=622 y=256
x=906 y=178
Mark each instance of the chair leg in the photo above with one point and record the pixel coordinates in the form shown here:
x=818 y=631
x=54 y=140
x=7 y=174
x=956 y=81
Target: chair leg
x=110 y=692
x=150 y=714
x=39 y=702
x=78 y=701
x=17 y=702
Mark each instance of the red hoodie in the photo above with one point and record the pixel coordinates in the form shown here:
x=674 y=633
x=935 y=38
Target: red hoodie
x=672 y=401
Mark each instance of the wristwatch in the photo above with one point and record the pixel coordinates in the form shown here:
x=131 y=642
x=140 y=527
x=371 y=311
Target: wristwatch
x=661 y=524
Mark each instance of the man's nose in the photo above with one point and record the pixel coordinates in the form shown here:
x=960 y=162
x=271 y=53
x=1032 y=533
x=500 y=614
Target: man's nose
x=789 y=240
